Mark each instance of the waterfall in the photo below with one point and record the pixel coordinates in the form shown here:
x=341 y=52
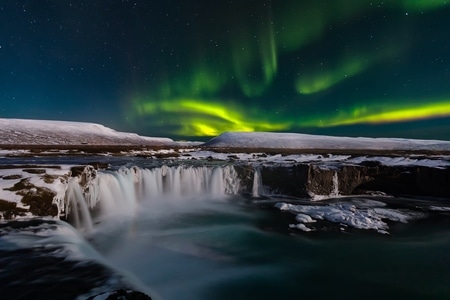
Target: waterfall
x=76 y=207
x=257 y=183
x=116 y=193
x=335 y=191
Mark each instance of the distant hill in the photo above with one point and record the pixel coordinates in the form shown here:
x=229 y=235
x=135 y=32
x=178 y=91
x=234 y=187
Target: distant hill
x=42 y=132
x=296 y=141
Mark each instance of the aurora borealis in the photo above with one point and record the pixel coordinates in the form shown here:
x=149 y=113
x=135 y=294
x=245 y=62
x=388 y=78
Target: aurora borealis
x=194 y=69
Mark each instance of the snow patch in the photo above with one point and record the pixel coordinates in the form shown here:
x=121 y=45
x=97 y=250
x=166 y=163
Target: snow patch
x=349 y=214
x=439 y=208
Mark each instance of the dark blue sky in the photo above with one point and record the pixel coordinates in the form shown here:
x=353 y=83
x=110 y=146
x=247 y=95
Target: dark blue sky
x=198 y=68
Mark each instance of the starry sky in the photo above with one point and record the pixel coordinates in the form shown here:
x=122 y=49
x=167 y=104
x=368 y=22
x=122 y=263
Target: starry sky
x=195 y=69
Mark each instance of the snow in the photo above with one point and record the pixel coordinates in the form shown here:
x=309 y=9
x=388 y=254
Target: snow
x=300 y=226
x=36 y=180
x=404 y=161
x=279 y=159
x=271 y=140
x=303 y=218
x=44 y=132
x=359 y=215
x=439 y=208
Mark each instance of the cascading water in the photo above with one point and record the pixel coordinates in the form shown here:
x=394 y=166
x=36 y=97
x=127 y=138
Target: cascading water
x=257 y=183
x=119 y=193
x=335 y=191
x=77 y=207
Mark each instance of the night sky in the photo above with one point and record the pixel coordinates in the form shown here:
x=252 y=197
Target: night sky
x=193 y=69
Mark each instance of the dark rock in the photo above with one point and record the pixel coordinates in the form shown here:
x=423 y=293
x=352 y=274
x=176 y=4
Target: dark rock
x=350 y=177
x=320 y=180
x=12 y=177
x=85 y=173
x=233 y=157
x=127 y=295
x=40 y=200
x=21 y=185
x=35 y=171
x=370 y=163
x=305 y=180
x=290 y=181
x=10 y=210
x=411 y=180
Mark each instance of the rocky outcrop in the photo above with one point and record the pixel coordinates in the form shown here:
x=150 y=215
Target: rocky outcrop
x=313 y=180
x=42 y=194
x=39 y=200
x=309 y=180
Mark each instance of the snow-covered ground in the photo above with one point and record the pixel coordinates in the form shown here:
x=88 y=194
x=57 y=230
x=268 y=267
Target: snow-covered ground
x=42 y=132
x=433 y=161
x=272 y=140
x=49 y=177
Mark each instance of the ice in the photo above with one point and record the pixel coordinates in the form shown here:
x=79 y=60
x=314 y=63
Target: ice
x=300 y=226
x=398 y=215
x=368 y=217
x=302 y=218
x=440 y=208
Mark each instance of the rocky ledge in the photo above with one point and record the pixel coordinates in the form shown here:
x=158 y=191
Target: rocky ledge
x=318 y=181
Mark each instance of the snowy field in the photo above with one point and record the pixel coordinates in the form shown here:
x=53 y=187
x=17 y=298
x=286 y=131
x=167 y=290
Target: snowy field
x=41 y=132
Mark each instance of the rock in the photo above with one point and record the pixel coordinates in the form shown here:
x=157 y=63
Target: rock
x=40 y=200
x=305 y=180
x=122 y=294
x=85 y=173
x=9 y=210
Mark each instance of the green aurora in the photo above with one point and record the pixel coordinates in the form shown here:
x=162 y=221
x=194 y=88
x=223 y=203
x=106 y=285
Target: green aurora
x=287 y=66
x=195 y=69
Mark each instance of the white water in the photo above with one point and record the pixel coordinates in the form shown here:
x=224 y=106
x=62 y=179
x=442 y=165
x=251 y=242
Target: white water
x=119 y=193
x=335 y=191
x=257 y=183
